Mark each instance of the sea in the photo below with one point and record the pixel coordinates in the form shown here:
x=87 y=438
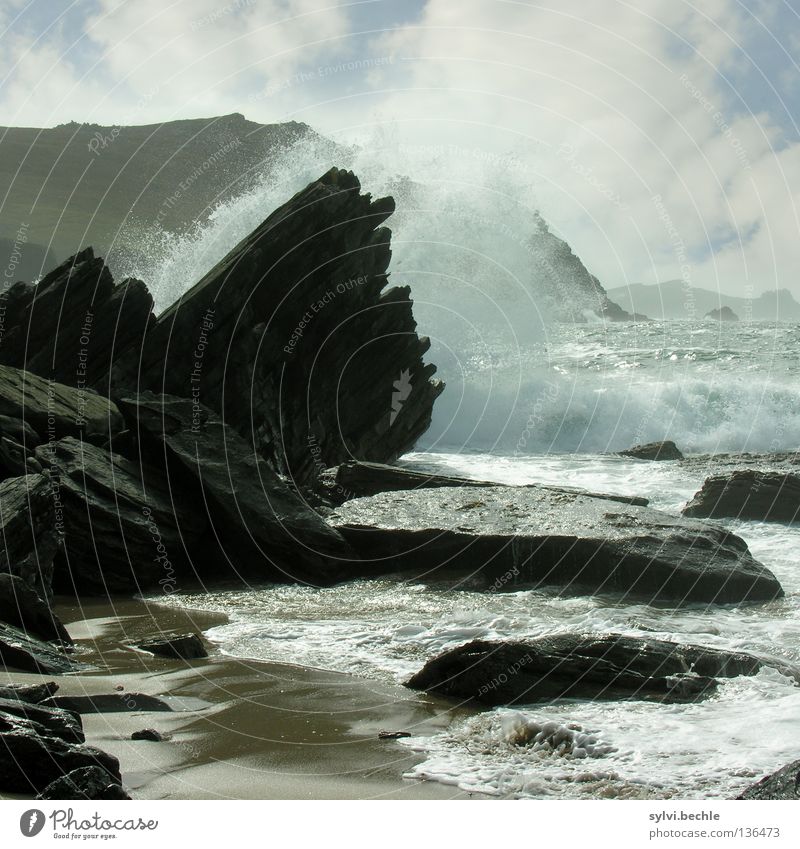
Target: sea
x=588 y=390
x=531 y=398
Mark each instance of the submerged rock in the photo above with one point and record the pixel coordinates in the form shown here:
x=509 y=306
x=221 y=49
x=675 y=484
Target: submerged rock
x=783 y=784
x=666 y=450
x=31 y=758
x=580 y=667
x=148 y=734
x=89 y=782
x=109 y=703
x=748 y=494
x=263 y=528
x=294 y=340
x=179 y=646
x=507 y=537
x=20 y=651
x=355 y=479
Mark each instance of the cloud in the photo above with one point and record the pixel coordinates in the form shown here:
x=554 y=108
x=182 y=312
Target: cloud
x=634 y=121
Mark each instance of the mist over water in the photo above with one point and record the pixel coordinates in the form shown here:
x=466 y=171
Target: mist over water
x=518 y=381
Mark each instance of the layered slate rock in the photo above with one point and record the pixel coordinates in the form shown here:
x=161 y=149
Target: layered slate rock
x=88 y=782
x=59 y=722
x=30 y=533
x=783 y=784
x=31 y=757
x=54 y=410
x=263 y=528
x=70 y=325
x=20 y=651
x=355 y=479
x=295 y=340
x=580 y=667
x=31 y=693
x=124 y=527
x=666 y=450
x=508 y=537
x=22 y=607
x=748 y=494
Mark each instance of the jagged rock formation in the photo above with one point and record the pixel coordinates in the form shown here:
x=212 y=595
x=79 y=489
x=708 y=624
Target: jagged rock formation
x=783 y=784
x=580 y=667
x=292 y=338
x=505 y=537
x=571 y=289
x=748 y=494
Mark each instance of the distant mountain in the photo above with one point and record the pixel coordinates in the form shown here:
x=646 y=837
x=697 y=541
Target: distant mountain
x=674 y=300
x=74 y=185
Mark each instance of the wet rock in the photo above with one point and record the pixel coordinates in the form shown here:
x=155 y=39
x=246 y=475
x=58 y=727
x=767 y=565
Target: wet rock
x=263 y=528
x=31 y=693
x=20 y=651
x=30 y=758
x=393 y=735
x=180 y=646
x=581 y=667
x=109 y=703
x=766 y=496
x=58 y=722
x=504 y=538
x=69 y=326
x=20 y=431
x=29 y=531
x=22 y=607
x=294 y=340
x=89 y=782
x=148 y=734
x=722 y=314
x=54 y=410
x=356 y=479
x=125 y=529
x=666 y=450
x=783 y=784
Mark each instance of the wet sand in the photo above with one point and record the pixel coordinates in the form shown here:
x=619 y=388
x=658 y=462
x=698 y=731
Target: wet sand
x=241 y=729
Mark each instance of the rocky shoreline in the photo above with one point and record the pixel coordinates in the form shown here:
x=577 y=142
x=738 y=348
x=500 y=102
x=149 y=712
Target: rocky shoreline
x=248 y=432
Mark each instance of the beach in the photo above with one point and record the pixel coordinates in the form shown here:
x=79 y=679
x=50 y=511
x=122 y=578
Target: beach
x=240 y=729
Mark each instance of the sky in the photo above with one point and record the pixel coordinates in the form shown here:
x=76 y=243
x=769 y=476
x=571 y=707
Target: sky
x=659 y=137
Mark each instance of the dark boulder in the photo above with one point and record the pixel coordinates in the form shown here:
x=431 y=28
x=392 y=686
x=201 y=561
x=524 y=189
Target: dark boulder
x=666 y=450
x=20 y=651
x=748 y=494
x=22 y=607
x=783 y=784
x=722 y=314
x=148 y=734
x=70 y=325
x=20 y=431
x=507 y=537
x=294 y=340
x=58 y=722
x=179 y=646
x=31 y=758
x=29 y=531
x=356 y=479
x=263 y=527
x=125 y=529
x=580 y=667
x=89 y=782
x=54 y=410
x=31 y=693
x=109 y=703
